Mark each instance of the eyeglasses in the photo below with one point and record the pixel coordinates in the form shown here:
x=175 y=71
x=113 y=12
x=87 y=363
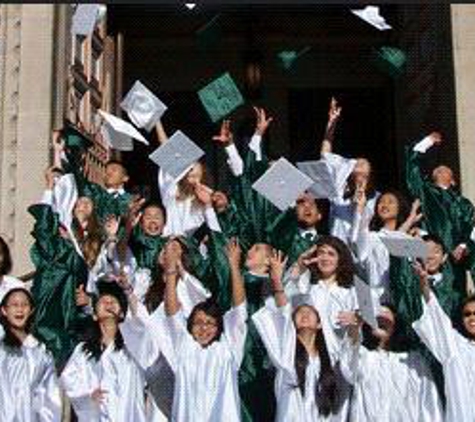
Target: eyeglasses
x=204 y=324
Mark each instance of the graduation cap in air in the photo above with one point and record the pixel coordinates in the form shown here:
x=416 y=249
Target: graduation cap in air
x=118 y=133
x=371 y=15
x=282 y=184
x=108 y=286
x=288 y=58
x=86 y=17
x=177 y=154
x=142 y=106
x=220 y=97
x=367 y=302
x=73 y=138
x=391 y=60
x=323 y=181
x=403 y=245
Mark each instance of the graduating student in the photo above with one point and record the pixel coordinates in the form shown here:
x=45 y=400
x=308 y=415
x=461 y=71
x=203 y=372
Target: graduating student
x=447 y=213
x=391 y=218
x=388 y=385
x=453 y=349
x=110 y=199
x=206 y=351
x=65 y=249
x=308 y=386
x=29 y=387
x=347 y=175
x=182 y=196
x=102 y=380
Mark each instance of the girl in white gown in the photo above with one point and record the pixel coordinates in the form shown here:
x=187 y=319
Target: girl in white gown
x=389 y=386
x=453 y=349
x=29 y=390
x=206 y=349
x=308 y=386
x=101 y=379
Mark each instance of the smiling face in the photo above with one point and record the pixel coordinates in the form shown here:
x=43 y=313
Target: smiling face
x=83 y=208
x=388 y=207
x=306 y=318
x=386 y=323
x=307 y=212
x=17 y=310
x=152 y=221
x=435 y=257
x=468 y=318
x=327 y=261
x=204 y=328
x=108 y=308
x=115 y=176
x=443 y=176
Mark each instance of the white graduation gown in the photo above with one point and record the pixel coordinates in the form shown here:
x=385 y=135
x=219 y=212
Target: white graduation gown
x=118 y=374
x=277 y=331
x=29 y=390
x=457 y=356
x=143 y=335
x=342 y=209
x=389 y=387
x=183 y=217
x=206 y=378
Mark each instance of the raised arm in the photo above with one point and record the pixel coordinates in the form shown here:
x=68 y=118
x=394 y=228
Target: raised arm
x=58 y=149
x=226 y=140
x=161 y=134
x=334 y=113
x=277 y=268
x=233 y=251
x=172 y=267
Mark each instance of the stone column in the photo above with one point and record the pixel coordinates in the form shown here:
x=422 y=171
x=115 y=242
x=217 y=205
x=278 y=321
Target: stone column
x=463 y=36
x=26 y=101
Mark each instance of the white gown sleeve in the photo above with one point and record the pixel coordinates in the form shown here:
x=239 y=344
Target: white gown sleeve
x=167 y=186
x=436 y=331
x=256 y=147
x=424 y=145
x=46 y=397
x=277 y=331
x=177 y=334
x=79 y=383
x=234 y=160
x=190 y=292
x=341 y=168
x=235 y=331
x=350 y=359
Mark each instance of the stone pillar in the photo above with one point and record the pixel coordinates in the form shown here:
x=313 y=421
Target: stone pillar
x=26 y=103
x=463 y=36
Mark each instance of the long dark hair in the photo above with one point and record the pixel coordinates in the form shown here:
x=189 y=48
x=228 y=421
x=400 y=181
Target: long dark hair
x=90 y=242
x=94 y=347
x=326 y=388
x=404 y=209
x=345 y=269
x=212 y=309
x=10 y=339
x=156 y=291
x=350 y=187
x=5 y=258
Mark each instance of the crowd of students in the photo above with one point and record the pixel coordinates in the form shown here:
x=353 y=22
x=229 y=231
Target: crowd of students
x=212 y=306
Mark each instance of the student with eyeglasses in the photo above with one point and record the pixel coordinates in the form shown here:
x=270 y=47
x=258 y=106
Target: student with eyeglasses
x=453 y=349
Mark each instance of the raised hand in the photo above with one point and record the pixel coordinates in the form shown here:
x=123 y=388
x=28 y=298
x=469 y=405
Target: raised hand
x=277 y=265
x=262 y=122
x=225 y=136
x=420 y=270
x=359 y=197
x=50 y=177
x=111 y=226
x=234 y=254
x=436 y=137
x=334 y=111
x=134 y=214
x=82 y=298
x=204 y=194
x=414 y=217
x=170 y=257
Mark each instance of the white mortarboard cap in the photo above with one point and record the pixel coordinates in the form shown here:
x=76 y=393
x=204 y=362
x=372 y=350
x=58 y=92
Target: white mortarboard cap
x=176 y=154
x=404 y=245
x=119 y=133
x=85 y=18
x=142 y=106
x=367 y=302
x=371 y=15
x=321 y=174
x=282 y=184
